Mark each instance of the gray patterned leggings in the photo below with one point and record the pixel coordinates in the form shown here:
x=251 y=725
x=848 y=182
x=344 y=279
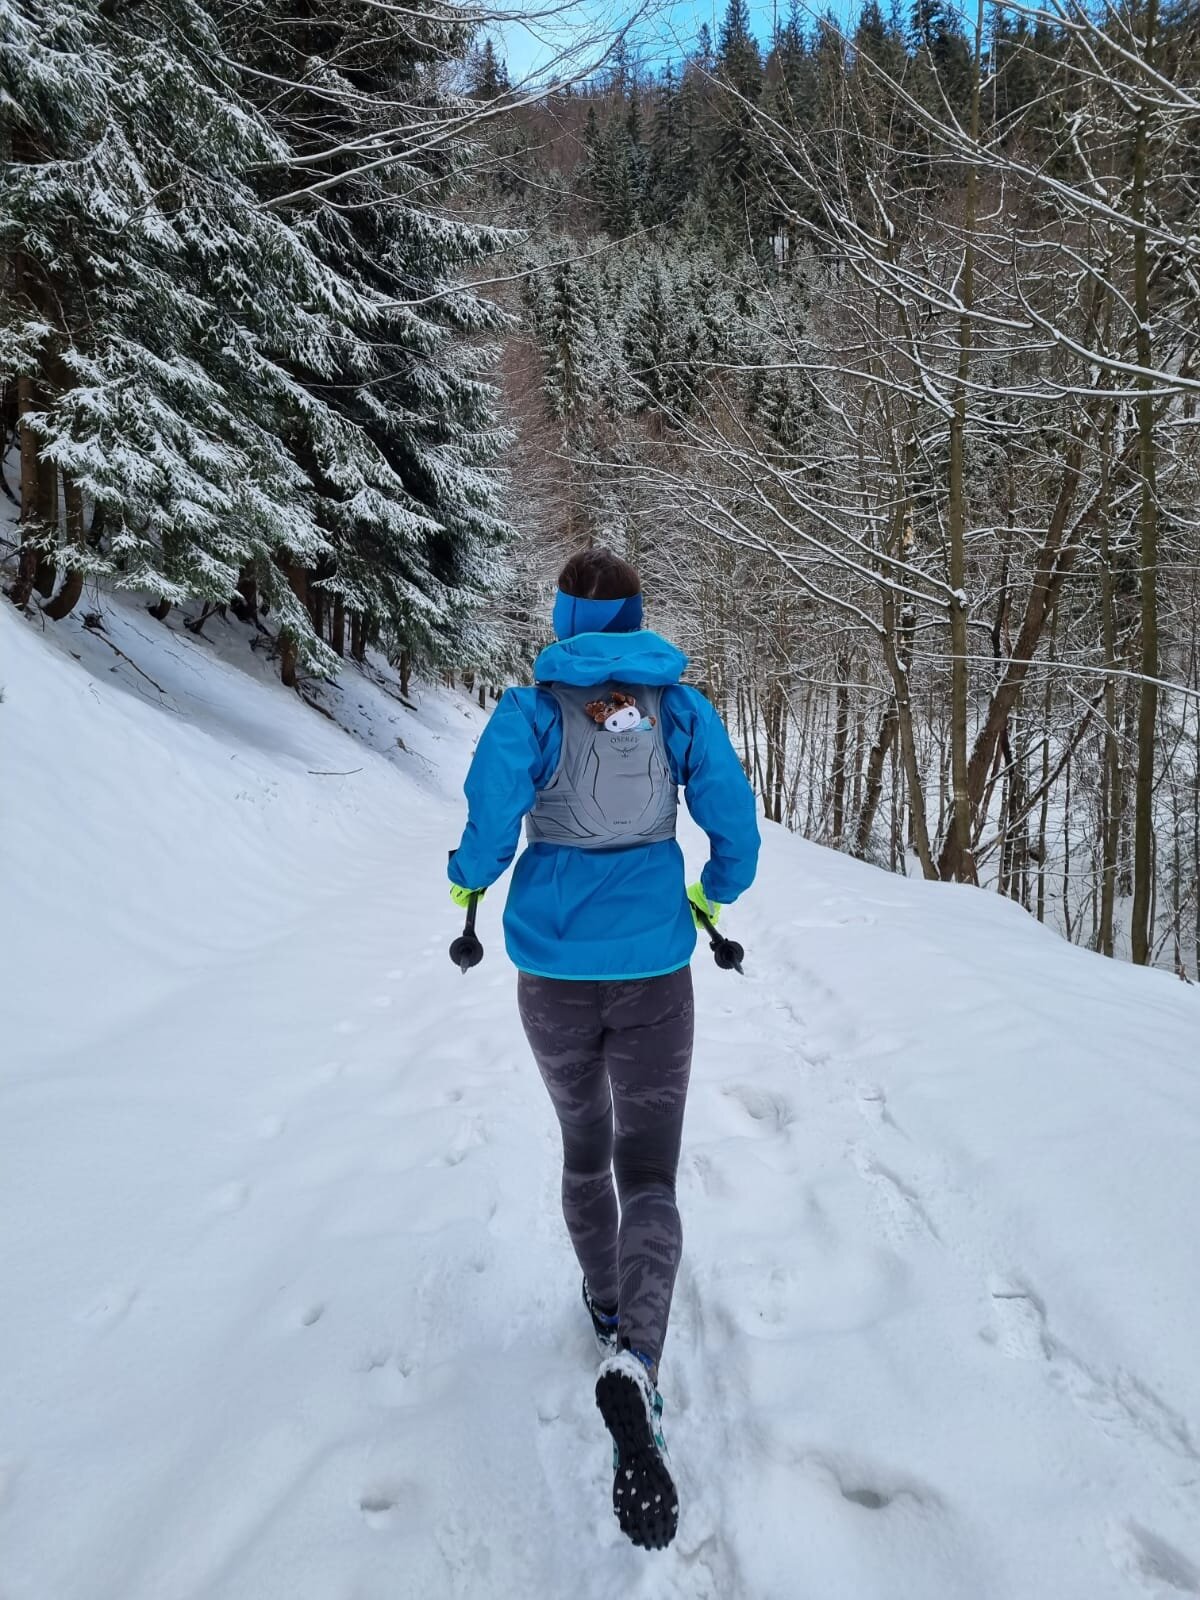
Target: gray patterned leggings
x=616 y=1058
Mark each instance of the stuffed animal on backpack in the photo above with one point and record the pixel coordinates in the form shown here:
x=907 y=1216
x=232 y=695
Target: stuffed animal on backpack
x=618 y=714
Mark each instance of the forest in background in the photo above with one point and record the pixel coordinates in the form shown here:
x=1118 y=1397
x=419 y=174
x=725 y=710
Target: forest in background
x=874 y=348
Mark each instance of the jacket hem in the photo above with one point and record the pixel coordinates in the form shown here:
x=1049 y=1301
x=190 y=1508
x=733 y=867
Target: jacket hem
x=603 y=977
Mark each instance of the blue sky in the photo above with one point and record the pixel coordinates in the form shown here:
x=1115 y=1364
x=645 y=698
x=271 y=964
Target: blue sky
x=667 y=31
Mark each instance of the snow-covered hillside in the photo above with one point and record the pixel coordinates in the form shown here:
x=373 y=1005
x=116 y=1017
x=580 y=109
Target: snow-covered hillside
x=289 y=1312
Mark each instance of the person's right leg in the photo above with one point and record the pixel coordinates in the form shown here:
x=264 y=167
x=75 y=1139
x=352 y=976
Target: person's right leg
x=562 y=1022
x=648 y=1051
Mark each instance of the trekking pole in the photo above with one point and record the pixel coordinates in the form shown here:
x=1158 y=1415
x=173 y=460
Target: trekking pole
x=727 y=953
x=466 y=951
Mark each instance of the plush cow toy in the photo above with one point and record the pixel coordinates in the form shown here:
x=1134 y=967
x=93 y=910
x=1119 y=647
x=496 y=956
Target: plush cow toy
x=619 y=714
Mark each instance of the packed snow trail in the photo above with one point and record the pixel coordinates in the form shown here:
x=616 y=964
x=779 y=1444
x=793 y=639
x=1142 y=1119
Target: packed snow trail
x=289 y=1309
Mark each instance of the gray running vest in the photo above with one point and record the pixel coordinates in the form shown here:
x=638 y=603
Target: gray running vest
x=612 y=788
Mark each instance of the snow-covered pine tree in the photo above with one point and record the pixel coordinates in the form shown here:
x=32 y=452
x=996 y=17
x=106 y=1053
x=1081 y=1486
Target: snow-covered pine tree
x=128 y=140
x=397 y=438
x=487 y=73
x=251 y=391
x=668 y=178
x=740 y=70
x=568 y=337
x=649 y=337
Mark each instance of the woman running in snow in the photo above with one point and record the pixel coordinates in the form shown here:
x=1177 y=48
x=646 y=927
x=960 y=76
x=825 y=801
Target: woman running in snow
x=601 y=929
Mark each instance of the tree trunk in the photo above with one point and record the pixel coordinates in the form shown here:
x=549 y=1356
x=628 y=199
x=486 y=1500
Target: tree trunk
x=339 y=625
x=68 y=596
x=196 y=625
x=358 y=636
x=405 y=672
x=297 y=577
x=46 y=572
x=1110 y=772
x=780 y=742
x=245 y=607
x=874 y=785
x=841 y=737
x=1141 y=933
x=25 y=290
x=1053 y=566
x=957 y=856
x=897 y=652
x=22 y=589
x=860 y=735
x=768 y=784
x=1066 y=880
x=1044 y=817
x=96 y=526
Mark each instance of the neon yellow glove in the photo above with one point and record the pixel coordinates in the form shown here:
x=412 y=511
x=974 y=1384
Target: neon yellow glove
x=462 y=897
x=697 y=897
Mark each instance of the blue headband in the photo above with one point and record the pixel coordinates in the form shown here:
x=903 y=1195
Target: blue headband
x=572 y=616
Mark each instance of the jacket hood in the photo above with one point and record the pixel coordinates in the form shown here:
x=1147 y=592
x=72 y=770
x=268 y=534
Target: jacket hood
x=588 y=658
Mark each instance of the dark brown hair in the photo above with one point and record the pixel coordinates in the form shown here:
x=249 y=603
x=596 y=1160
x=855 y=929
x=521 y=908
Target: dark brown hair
x=597 y=574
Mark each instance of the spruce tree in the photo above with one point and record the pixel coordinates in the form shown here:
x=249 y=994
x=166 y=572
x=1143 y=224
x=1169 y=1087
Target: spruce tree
x=671 y=169
x=487 y=75
x=649 y=339
x=123 y=328
x=740 y=70
x=942 y=57
x=251 y=394
x=397 y=430
x=568 y=338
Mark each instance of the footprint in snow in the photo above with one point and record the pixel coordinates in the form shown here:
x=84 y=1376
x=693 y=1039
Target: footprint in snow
x=712 y=1183
x=1151 y=1562
x=873 y=1106
x=1120 y=1404
x=870 y=1487
x=1020 y=1321
x=379 y=1507
x=470 y=1136
x=390 y=1381
x=902 y=1209
x=772 y=1111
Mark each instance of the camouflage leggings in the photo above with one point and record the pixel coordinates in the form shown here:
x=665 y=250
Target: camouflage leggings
x=616 y=1059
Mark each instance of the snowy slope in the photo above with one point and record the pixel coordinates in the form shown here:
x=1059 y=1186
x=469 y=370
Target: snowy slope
x=289 y=1311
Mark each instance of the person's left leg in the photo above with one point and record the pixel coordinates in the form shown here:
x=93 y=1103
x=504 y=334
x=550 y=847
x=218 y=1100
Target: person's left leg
x=562 y=1022
x=648 y=1049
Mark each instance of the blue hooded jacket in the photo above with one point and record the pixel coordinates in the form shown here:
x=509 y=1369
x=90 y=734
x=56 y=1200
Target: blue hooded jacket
x=603 y=914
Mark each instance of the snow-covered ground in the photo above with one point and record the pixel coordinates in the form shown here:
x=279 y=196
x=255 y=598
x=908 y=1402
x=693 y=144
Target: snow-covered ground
x=289 y=1313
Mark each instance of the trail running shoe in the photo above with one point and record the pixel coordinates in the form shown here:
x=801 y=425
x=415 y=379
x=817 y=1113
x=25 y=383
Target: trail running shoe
x=604 y=1324
x=645 y=1499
